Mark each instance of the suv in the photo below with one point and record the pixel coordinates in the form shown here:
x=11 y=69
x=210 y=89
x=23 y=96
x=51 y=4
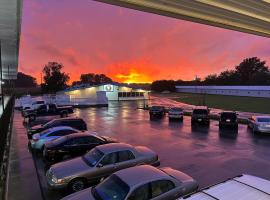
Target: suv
x=176 y=113
x=76 y=123
x=157 y=111
x=200 y=115
x=228 y=119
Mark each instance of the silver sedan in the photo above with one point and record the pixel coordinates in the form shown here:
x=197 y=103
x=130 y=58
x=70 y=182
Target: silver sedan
x=259 y=124
x=100 y=162
x=140 y=183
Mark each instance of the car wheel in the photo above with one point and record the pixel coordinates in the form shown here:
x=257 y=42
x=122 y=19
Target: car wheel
x=77 y=185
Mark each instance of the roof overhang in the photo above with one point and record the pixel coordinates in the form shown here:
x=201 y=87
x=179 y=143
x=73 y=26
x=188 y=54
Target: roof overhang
x=10 y=28
x=249 y=16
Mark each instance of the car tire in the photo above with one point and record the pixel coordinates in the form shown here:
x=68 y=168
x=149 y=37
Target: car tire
x=76 y=185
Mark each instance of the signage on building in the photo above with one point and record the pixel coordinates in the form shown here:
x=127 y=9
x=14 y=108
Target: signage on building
x=108 y=88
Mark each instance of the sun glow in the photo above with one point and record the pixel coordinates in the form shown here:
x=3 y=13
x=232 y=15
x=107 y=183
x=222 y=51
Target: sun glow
x=133 y=77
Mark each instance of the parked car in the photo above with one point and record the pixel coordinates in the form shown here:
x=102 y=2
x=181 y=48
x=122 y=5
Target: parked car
x=140 y=183
x=47 y=110
x=228 y=119
x=157 y=111
x=259 y=124
x=201 y=115
x=176 y=113
x=74 y=122
x=98 y=163
x=34 y=105
x=73 y=145
x=39 y=139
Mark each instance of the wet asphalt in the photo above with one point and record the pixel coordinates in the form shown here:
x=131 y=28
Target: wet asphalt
x=205 y=153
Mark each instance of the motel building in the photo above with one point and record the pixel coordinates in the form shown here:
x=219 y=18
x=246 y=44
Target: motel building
x=113 y=92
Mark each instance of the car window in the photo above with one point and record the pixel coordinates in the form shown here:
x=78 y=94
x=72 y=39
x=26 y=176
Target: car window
x=61 y=133
x=141 y=193
x=83 y=140
x=110 y=158
x=161 y=187
x=125 y=155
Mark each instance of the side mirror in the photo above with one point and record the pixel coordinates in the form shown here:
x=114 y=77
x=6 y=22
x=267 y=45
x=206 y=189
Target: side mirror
x=99 y=165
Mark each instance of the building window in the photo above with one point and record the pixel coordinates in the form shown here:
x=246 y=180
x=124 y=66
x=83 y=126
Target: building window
x=141 y=94
x=120 y=94
x=133 y=94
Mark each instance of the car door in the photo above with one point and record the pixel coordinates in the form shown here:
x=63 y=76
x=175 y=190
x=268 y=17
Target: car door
x=164 y=190
x=140 y=193
x=107 y=165
x=125 y=159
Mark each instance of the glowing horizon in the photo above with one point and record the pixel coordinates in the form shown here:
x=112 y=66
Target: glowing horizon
x=127 y=45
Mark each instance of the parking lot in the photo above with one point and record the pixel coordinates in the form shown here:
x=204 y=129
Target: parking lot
x=204 y=153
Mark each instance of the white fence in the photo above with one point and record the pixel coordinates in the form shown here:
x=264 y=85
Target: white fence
x=252 y=91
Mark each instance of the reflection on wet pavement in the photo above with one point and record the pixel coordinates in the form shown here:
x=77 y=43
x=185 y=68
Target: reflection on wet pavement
x=205 y=153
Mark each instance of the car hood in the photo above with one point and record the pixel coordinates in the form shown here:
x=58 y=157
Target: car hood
x=69 y=167
x=36 y=128
x=85 y=194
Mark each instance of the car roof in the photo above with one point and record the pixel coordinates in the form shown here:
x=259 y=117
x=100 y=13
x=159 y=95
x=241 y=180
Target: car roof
x=230 y=112
x=200 y=107
x=67 y=118
x=57 y=128
x=141 y=174
x=112 y=147
x=81 y=134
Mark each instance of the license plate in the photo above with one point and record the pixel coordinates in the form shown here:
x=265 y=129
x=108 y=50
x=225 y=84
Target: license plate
x=228 y=120
x=199 y=120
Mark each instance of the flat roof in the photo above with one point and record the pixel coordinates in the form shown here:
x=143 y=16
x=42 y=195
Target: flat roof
x=10 y=29
x=245 y=187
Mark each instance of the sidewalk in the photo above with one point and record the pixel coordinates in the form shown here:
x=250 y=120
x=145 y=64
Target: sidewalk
x=22 y=180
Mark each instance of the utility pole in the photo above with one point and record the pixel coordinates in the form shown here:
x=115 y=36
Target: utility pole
x=1 y=78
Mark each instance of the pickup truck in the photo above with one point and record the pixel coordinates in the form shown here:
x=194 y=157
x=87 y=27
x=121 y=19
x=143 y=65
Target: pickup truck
x=47 y=110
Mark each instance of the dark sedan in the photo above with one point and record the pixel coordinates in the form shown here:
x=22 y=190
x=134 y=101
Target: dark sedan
x=72 y=146
x=73 y=122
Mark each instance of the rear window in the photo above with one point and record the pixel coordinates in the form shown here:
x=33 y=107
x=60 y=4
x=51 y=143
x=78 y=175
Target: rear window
x=177 y=109
x=200 y=111
x=263 y=119
x=228 y=115
x=157 y=108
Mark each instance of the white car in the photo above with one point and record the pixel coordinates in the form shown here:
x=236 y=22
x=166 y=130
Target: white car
x=259 y=124
x=176 y=113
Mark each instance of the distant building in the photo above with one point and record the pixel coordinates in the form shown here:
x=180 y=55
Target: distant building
x=250 y=91
x=114 y=92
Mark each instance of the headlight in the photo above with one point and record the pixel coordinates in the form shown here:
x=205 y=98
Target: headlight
x=55 y=180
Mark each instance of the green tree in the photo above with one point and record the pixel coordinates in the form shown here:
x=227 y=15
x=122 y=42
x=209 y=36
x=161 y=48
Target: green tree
x=54 y=78
x=94 y=79
x=250 y=69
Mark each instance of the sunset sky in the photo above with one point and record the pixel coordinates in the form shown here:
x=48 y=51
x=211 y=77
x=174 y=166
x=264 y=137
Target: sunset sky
x=127 y=45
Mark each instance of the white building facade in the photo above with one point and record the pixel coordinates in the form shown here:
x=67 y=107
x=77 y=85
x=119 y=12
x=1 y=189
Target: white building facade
x=249 y=91
x=114 y=92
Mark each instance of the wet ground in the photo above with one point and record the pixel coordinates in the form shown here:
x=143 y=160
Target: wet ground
x=204 y=153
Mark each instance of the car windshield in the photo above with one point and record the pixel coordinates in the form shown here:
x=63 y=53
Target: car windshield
x=228 y=115
x=177 y=109
x=112 y=188
x=93 y=156
x=49 y=123
x=59 y=140
x=200 y=111
x=45 y=132
x=263 y=119
x=156 y=108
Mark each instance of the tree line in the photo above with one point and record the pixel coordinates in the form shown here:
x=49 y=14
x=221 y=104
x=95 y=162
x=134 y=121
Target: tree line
x=251 y=71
